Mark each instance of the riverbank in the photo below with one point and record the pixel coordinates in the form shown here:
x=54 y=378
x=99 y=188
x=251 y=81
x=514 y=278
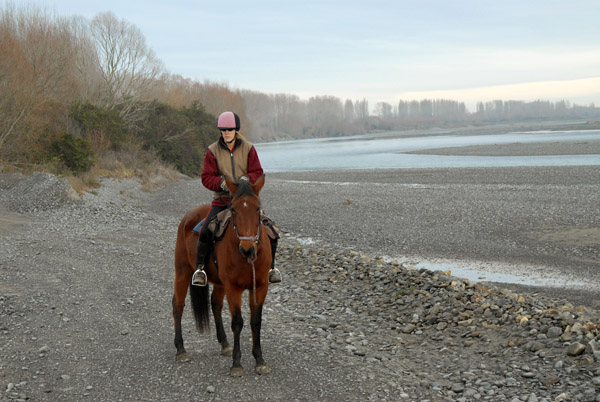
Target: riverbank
x=519 y=149
x=533 y=222
x=85 y=288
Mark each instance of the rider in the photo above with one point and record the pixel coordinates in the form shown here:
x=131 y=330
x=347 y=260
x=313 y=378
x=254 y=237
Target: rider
x=233 y=156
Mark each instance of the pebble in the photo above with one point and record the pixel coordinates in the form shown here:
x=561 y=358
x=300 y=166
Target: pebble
x=575 y=349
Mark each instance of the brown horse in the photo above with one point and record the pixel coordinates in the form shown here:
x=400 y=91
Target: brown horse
x=243 y=258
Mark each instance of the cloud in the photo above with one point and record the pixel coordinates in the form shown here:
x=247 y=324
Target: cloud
x=586 y=88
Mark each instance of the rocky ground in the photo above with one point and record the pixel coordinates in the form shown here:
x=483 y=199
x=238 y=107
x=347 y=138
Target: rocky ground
x=85 y=289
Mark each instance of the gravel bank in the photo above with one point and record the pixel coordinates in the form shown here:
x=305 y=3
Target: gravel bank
x=519 y=149
x=536 y=223
x=85 y=290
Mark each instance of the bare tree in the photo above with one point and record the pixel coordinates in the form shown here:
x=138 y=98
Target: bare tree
x=383 y=110
x=128 y=67
x=87 y=64
x=349 y=114
x=37 y=77
x=261 y=113
x=13 y=105
x=361 y=109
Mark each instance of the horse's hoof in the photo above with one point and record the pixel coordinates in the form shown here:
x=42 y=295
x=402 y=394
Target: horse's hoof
x=262 y=369
x=236 y=372
x=227 y=350
x=182 y=357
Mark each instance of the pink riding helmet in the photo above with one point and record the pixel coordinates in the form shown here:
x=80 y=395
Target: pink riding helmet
x=228 y=120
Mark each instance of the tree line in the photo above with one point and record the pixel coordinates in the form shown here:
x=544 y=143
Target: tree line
x=78 y=93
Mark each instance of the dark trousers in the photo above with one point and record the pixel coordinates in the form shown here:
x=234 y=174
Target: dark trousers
x=204 y=232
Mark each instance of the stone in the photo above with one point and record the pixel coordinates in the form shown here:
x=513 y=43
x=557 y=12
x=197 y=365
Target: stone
x=592 y=347
x=554 y=332
x=537 y=346
x=576 y=349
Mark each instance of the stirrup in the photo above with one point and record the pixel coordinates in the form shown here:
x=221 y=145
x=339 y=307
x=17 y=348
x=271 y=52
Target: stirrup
x=199 y=278
x=274 y=276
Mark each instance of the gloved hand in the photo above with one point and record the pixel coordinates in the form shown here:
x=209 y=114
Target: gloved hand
x=244 y=178
x=224 y=187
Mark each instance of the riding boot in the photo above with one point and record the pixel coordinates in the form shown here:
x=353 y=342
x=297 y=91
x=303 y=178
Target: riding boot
x=274 y=274
x=199 y=278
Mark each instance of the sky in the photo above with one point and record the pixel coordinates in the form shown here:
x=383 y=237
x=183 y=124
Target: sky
x=381 y=51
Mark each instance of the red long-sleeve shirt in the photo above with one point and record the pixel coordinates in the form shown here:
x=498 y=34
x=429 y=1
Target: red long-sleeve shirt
x=212 y=176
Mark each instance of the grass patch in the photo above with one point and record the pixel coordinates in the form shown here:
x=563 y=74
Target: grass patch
x=402 y=292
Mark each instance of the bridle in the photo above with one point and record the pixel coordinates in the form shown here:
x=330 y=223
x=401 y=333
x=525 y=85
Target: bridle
x=256 y=238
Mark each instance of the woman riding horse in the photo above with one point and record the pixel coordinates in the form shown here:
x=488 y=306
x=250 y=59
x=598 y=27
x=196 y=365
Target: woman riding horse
x=242 y=261
x=231 y=156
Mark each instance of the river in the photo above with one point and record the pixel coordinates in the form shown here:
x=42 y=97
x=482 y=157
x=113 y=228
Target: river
x=390 y=150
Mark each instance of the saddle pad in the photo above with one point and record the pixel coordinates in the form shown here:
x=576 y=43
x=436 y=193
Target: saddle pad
x=198 y=227
x=220 y=222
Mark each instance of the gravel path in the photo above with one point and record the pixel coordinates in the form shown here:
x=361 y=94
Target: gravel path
x=85 y=289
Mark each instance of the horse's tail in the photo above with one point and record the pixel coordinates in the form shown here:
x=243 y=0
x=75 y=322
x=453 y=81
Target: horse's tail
x=200 y=305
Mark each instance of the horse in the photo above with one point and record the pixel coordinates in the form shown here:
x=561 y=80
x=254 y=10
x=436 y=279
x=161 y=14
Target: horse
x=243 y=259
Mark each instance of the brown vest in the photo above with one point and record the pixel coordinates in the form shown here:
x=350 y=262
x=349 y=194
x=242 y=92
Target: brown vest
x=231 y=164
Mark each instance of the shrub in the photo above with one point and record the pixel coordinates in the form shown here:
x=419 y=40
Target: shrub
x=179 y=136
x=96 y=121
x=73 y=152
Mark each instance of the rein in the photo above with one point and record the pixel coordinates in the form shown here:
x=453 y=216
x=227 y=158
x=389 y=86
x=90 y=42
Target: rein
x=255 y=239
x=251 y=261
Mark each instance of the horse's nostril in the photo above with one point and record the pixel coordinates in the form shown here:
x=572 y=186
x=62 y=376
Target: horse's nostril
x=248 y=252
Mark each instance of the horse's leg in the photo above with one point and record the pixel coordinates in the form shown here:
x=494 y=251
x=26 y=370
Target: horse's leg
x=182 y=279
x=255 y=324
x=234 y=299
x=216 y=303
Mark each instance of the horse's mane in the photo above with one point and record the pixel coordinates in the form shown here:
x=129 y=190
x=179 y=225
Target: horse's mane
x=244 y=188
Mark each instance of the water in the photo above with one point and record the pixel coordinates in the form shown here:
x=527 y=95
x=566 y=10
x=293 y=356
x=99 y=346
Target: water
x=388 y=150
x=474 y=271
x=479 y=274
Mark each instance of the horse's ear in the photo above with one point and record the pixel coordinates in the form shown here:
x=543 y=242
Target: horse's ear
x=258 y=184
x=231 y=185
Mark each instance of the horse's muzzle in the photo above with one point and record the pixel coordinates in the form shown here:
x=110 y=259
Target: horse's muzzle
x=248 y=249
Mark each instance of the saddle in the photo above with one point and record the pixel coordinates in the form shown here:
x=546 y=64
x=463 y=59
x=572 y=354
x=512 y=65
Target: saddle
x=220 y=221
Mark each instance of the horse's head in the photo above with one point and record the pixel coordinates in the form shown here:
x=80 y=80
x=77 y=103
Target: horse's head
x=246 y=214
